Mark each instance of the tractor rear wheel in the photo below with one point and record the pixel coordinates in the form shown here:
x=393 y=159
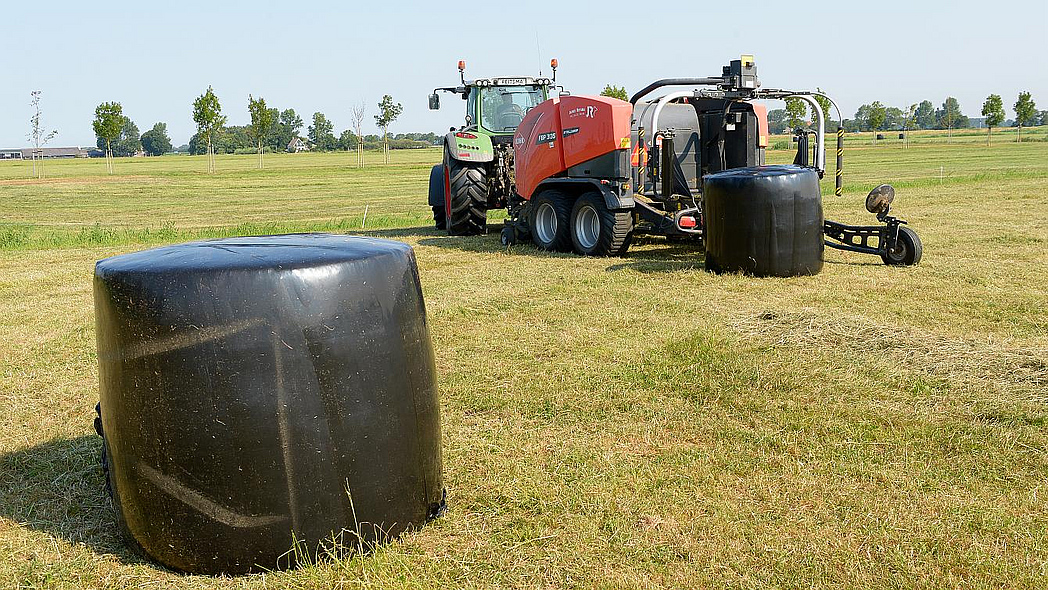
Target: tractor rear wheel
x=907 y=251
x=548 y=221
x=467 y=198
x=436 y=196
x=598 y=231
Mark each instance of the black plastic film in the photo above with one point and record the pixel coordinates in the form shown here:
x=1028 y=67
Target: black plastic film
x=263 y=389
x=764 y=221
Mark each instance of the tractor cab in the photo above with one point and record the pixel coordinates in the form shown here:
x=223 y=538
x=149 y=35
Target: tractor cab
x=498 y=106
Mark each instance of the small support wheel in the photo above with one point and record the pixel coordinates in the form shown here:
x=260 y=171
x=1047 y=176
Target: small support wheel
x=508 y=237
x=907 y=251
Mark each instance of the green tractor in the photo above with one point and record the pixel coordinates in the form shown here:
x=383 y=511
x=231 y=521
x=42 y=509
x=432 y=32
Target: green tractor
x=477 y=171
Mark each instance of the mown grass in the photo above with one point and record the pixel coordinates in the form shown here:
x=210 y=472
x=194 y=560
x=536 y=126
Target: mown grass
x=616 y=422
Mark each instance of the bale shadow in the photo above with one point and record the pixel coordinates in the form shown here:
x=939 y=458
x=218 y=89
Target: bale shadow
x=57 y=488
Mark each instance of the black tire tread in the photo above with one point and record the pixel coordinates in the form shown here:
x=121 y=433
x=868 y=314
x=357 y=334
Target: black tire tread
x=469 y=199
x=562 y=205
x=915 y=250
x=616 y=228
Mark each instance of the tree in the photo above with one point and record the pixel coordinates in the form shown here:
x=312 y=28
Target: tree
x=358 y=123
x=109 y=120
x=207 y=114
x=261 y=121
x=348 y=140
x=292 y=123
x=777 y=121
x=796 y=113
x=156 y=142
x=894 y=118
x=618 y=92
x=925 y=115
x=388 y=111
x=993 y=110
x=949 y=116
x=878 y=115
x=862 y=118
x=37 y=135
x=1025 y=112
x=320 y=133
x=128 y=143
x=827 y=109
x=910 y=122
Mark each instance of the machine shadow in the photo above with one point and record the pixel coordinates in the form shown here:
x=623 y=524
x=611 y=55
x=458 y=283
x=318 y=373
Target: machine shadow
x=399 y=232
x=649 y=255
x=57 y=488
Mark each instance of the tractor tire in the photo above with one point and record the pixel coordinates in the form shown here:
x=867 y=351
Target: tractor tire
x=467 y=198
x=436 y=196
x=597 y=231
x=549 y=223
x=907 y=251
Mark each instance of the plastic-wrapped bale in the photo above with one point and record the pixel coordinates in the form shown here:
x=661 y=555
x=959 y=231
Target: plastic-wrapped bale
x=764 y=221
x=260 y=391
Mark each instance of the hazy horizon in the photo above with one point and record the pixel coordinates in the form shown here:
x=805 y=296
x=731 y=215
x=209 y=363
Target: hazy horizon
x=328 y=57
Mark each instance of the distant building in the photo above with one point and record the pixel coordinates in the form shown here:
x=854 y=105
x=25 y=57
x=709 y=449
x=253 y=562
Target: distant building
x=44 y=153
x=297 y=145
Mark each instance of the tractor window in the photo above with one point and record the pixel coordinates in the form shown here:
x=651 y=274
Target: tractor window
x=503 y=107
x=471 y=106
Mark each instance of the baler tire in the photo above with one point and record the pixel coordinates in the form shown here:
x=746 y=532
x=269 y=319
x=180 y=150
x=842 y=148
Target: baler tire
x=548 y=221
x=468 y=209
x=908 y=249
x=436 y=196
x=598 y=231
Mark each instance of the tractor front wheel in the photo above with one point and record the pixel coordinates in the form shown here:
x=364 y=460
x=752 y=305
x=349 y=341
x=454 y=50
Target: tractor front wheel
x=549 y=221
x=907 y=251
x=466 y=198
x=436 y=196
x=598 y=231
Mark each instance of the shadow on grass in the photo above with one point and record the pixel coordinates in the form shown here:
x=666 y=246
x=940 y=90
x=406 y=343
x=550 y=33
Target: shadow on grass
x=57 y=488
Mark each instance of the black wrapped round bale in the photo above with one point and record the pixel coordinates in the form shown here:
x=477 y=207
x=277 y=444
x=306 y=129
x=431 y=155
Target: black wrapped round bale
x=260 y=391
x=764 y=221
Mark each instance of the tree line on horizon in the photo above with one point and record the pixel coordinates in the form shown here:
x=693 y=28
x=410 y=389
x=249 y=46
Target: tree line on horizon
x=269 y=130
x=876 y=116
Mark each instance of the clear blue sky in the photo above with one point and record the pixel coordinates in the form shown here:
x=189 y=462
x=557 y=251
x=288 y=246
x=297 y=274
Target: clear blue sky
x=325 y=56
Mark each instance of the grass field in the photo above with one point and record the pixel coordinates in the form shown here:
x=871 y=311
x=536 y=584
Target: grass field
x=620 y=422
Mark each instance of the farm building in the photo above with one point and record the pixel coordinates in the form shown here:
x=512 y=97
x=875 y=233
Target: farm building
x=48 y=153
x=297 y=144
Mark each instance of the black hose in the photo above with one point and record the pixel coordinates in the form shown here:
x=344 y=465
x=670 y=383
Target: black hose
x=674 y=82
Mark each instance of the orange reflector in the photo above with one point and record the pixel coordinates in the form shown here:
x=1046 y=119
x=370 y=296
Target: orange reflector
x=688 y=222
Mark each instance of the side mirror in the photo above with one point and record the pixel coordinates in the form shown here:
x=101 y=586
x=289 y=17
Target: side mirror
x=434 y=101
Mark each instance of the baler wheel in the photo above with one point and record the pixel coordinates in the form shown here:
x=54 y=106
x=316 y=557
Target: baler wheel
x=907 y=251
x=468 y=202
x=548 y=221
x=597 y=231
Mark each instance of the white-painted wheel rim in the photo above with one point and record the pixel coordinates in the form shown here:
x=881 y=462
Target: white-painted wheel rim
x=546 y=223
x=587 y=227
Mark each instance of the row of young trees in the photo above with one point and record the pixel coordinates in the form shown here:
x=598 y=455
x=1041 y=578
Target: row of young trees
x=876 y=116
x=270 y=129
